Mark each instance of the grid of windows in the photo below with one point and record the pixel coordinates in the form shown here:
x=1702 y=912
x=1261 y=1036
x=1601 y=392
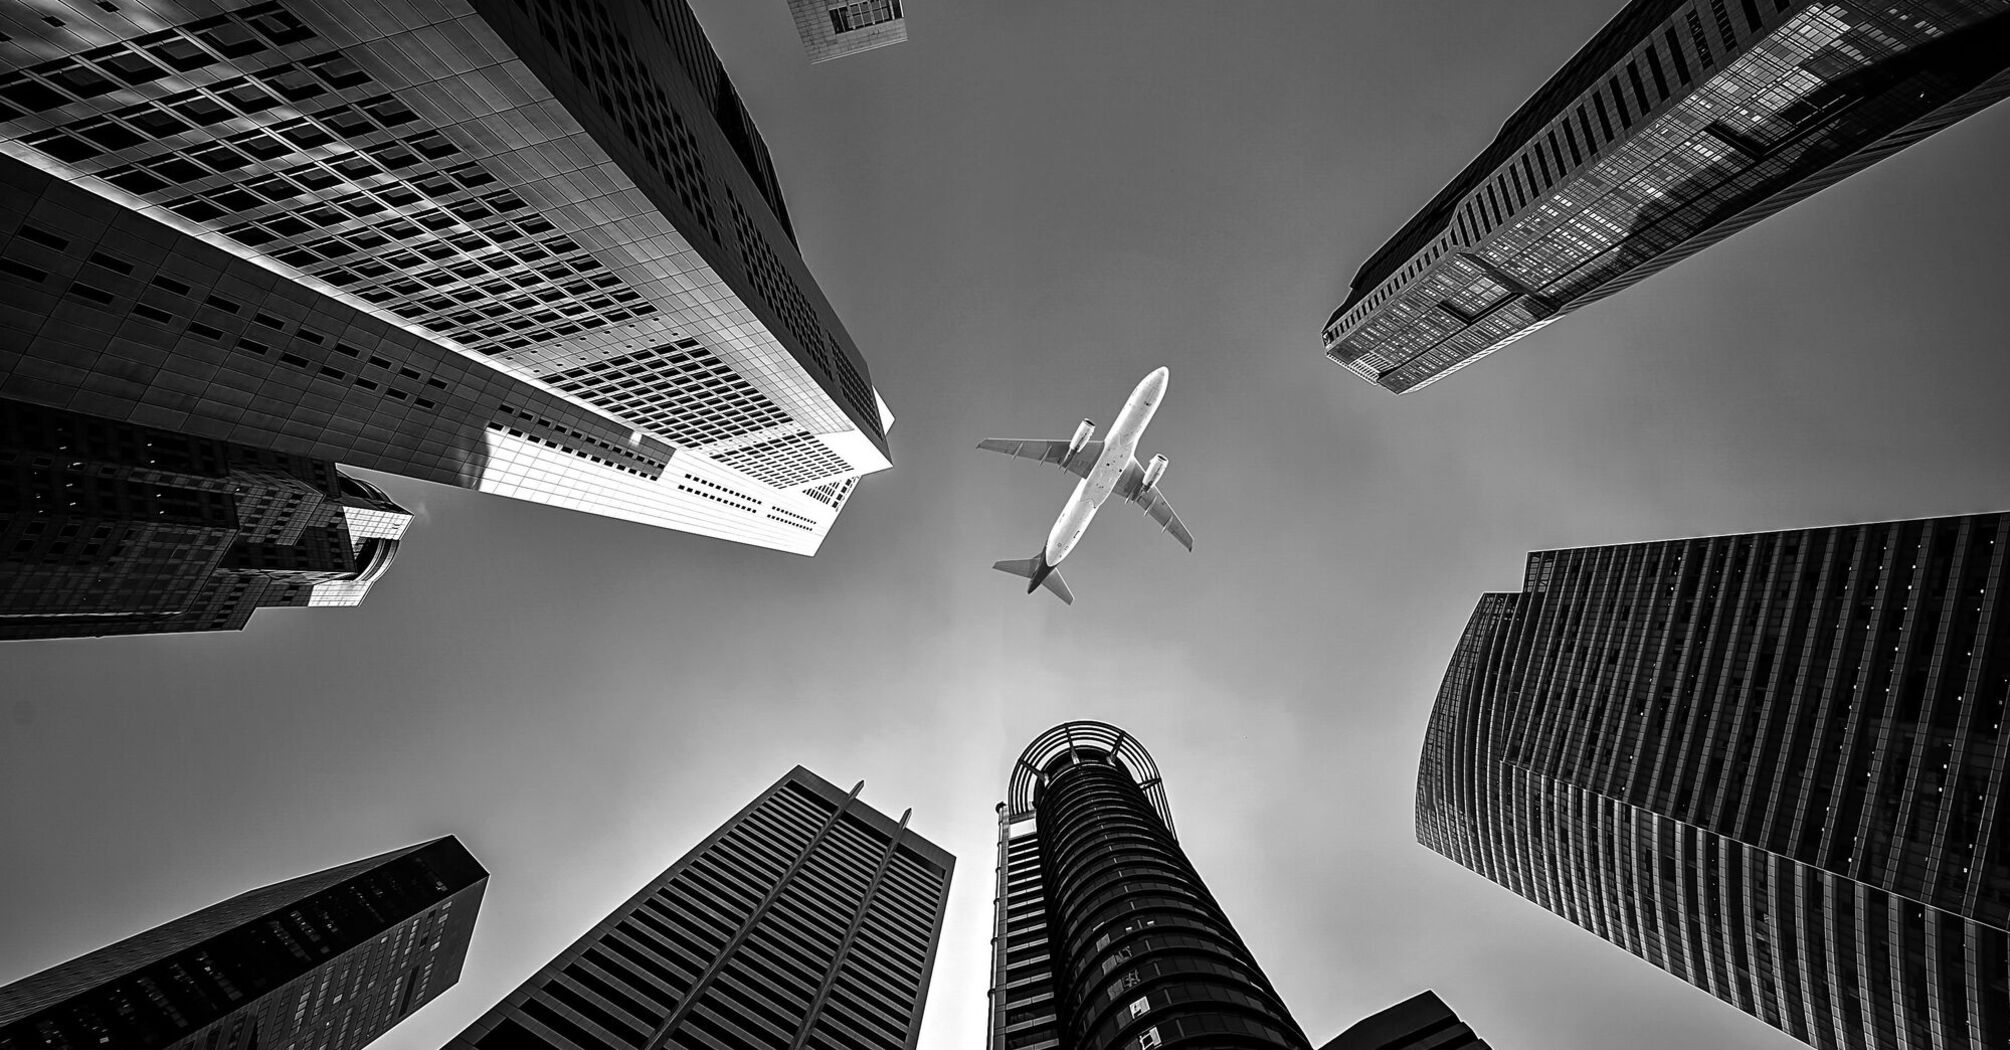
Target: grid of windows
x=1105 y=938
x=681 y=390
x=809 y=920
x=333 y=960
x=1661 y=163
x=786 y=461
x=1770 y=764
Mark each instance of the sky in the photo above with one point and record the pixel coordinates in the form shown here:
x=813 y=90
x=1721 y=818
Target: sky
x=1018 y=214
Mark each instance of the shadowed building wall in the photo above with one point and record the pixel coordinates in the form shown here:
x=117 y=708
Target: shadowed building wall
x=110 y=528
x=1679 y=124
x=330 y=960
x=809 y=920
x=1771 y=764
x=1104 y=935
x=532 y=249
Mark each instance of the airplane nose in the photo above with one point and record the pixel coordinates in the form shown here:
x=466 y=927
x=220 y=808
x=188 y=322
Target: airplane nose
x=1159 y=377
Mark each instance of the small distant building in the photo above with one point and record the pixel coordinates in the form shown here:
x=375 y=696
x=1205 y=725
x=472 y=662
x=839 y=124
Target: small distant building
x=1421 y=1022
x=836 y=28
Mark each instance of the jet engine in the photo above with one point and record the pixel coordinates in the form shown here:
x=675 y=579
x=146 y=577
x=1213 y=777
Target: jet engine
x=1082 y=435
x=1154 y=470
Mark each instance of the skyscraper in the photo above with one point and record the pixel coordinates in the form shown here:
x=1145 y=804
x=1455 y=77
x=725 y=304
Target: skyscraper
x=809 y=920
x=538 y=250
x=1104 y=935
x=836 y=28
x=1771 y=764
x=1679 y=124
x=1421 y=1022
x=112 y=528
x=329 y=960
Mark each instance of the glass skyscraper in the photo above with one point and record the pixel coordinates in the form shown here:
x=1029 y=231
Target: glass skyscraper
x=1680 y=123
x=1104 y=936
x=536 y=249
x=1771 y=764
x=112 y=528
x=809 y=921
x=330 y=961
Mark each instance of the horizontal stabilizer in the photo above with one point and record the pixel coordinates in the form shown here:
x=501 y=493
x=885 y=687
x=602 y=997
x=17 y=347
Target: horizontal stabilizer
x=1059 y=586
x=1024 y=567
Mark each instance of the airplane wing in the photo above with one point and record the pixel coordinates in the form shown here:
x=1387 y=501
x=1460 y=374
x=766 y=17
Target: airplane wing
x=1153 y=503
x=1055 y=452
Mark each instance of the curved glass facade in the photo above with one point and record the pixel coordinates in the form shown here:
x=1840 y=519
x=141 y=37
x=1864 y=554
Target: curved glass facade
x=1106 y=936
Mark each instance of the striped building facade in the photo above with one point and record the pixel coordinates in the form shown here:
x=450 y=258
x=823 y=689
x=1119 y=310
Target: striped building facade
x=1680 y=123
x=1105 y=938
x=807 y=922
x=1771 y=764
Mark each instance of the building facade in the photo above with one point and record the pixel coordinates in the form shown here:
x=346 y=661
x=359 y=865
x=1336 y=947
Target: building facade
x=809 y=920
x=1421 y=1022
x=112 y=528
x=1771 y=764
x=1105 y=938
x=533 y=249
x=1679 y=124
x=329 y=960
x=836 y=28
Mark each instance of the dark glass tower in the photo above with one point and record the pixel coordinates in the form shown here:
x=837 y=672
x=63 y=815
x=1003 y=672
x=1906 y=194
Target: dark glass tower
x=534 y=249
x=1772 y=764
x=1679 y=124
x=330 y=960
x=809 y=921
x=113 y=528
x=1104 y=936
x=1421 y=1022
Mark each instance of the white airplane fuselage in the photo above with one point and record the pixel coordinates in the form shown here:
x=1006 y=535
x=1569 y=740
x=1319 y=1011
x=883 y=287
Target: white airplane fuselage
x=1118 y=446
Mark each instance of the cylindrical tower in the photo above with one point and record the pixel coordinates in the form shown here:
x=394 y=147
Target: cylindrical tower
x=1136 y=953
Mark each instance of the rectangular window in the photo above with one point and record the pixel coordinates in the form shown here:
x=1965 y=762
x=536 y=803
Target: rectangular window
x=1619 y=100
x=1604 y=121
x=1640 y=89
x=1674 y=52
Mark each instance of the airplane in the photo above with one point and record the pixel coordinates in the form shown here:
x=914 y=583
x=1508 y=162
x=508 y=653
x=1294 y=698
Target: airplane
x=1106 y=467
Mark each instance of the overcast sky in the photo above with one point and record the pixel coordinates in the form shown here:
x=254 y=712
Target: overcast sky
x=1019 y=213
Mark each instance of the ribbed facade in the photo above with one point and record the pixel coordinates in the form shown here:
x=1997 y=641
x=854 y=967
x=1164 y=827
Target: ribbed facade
x=1421 y=1022
x=1105 y=936
x=330 y=961
x=1679 y=124
x=1772 y=764
x=536 y=249
x=110 y=528
x=808 y=922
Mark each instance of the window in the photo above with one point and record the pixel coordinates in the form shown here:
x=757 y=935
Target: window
x=1140 y=1005
x=851 y=17
x=1149 y=1039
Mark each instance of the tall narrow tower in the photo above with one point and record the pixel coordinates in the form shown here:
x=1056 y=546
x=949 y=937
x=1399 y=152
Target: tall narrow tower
x=1105 y=936
x=1773 y=765
x=330 y=960
x=808 y=922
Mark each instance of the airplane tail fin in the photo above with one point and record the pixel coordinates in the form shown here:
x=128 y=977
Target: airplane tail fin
x=1040 y=573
